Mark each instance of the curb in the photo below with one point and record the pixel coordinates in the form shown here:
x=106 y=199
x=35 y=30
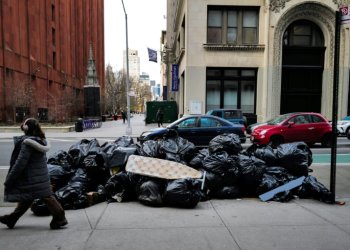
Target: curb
x=64 y=129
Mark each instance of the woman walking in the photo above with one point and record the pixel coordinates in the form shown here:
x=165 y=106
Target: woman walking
x=28 y=177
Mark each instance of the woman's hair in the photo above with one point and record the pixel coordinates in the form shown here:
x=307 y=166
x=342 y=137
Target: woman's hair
x=32 y=127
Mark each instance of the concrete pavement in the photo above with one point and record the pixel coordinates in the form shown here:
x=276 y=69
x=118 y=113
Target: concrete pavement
x=244 y=223
x=109 y=129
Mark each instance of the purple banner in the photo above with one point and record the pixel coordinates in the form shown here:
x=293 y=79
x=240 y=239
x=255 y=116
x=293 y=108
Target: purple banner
x=175 y=77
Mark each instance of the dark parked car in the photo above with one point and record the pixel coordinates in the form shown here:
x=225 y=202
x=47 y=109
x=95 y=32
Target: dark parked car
x=232 y=115
x=302 y=126
x=199 y=129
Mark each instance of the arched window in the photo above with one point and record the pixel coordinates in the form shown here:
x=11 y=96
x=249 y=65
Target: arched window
x=303 y=33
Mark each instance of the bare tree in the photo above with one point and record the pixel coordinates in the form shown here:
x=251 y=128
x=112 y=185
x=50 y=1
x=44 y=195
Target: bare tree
x=115 y=95
x=142 y=95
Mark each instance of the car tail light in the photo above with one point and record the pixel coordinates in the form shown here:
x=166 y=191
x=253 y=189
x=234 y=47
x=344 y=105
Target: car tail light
x=243 y=129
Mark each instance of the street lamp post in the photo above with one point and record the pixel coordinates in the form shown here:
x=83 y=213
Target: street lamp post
x=128 y=128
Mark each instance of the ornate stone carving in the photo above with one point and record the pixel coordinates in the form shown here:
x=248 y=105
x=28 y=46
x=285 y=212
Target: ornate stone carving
x=277 y=5
x=341 y=2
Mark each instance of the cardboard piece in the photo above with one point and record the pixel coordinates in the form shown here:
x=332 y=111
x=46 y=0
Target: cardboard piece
x=288 y=186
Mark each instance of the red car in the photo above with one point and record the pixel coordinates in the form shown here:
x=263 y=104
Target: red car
x=306 y=126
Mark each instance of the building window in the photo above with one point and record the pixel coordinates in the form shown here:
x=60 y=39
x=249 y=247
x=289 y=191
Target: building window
x=53 y=12
x=54 y=60
x=43 y=114
x=231 y=88
x=303 y=33
x=22 y=113
x=232 y=25
x=53 y=36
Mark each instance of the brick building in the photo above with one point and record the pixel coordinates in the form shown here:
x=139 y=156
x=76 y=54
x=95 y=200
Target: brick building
x=44 y=52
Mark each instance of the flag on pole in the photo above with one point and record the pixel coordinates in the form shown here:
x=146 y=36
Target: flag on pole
x=152 y=55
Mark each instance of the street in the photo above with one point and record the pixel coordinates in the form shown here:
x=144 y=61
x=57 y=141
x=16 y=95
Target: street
x=320 y=154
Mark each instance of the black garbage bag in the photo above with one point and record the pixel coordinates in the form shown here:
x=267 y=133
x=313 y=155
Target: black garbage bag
x=113 y=156
x=252 y=170
x=150 y=193
x=228 y=192
x=295 y=157
x=120 y=188
x=224 y=165
x=284 y=196
x=311 y=188
x=229 y=143
x=97 y=196
x=187 y=149
x=61 y=158
x=177 y=149
x=81 y=149
x=39 y=208
x=150 y=149
x=267 y=183
x=197 y=160
x=274 y=177
x=267 y=154
x=81 y=202
x=59 y=177
x=183 y=193
x=69 y=195
x=102 y=193
x=124 y=141
x=108 y=147
x=118 y=159
x=95 y=168
x=214 y=182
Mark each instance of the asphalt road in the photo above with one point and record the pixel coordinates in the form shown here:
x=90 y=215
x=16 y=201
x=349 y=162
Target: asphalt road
x=320 y=154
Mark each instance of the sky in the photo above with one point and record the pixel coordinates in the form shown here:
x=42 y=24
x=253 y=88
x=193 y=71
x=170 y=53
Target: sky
x=146 y=20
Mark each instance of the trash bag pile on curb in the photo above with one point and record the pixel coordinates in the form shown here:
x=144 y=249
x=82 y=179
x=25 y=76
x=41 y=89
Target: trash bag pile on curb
x=90 y=173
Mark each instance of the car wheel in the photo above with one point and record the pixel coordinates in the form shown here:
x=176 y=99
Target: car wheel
x=275 y=141
x=327 y=141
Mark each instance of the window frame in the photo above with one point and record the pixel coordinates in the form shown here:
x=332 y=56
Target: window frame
x=222 y=78
x=239 y=24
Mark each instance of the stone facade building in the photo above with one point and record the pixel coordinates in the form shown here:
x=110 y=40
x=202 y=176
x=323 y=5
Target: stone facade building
x=266 y=57
x=44 y=52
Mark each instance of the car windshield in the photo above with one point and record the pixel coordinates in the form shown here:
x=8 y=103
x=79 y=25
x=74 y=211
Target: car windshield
x=185 y=122
x=279 y=119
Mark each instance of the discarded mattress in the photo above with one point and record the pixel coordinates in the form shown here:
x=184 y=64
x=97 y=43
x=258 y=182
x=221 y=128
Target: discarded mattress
x=160 y=168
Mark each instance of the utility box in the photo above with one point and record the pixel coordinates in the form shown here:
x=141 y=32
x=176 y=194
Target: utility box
x=169 y=109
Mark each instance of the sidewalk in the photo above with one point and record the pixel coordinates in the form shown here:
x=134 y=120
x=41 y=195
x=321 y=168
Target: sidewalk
x=246 y=223
x=109 y=129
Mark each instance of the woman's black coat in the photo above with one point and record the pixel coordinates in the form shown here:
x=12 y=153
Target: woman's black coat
x=28 y=176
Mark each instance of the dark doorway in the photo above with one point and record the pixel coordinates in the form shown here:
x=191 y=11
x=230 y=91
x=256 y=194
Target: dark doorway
x=302 y=67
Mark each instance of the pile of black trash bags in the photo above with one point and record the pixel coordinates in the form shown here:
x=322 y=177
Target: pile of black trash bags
x=85 y=175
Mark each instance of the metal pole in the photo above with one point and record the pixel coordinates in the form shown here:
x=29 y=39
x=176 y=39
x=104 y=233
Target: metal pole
x=335 y=104
x=128 y=128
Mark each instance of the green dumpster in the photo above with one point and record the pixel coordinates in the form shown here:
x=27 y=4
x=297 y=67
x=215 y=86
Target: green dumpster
x=169 y=108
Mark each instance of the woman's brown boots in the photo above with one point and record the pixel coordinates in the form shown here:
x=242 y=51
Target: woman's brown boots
x=59 y=219
x=10 y=219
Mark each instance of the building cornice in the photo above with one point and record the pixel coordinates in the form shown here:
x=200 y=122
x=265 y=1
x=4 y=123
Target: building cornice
x=228 y=47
